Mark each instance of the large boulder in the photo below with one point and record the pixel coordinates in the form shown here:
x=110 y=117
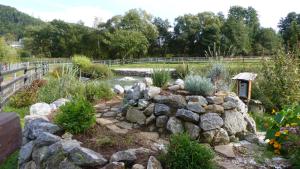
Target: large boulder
x=42 y=109
x=118 y=89
x=135 y=116
x=153 y=163
x=210 y=121
x=187 y=115
x=151 y=92
x=161 y=109
x=175 y=101
x=174 y=125
x=195 y=107
x=192 y=129
x=86 y=157
x=234 y=122
x=240 y=105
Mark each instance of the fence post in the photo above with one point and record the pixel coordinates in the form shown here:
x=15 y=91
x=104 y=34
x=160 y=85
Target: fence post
x=43 y=68
x=1 y=92
x=25 y=74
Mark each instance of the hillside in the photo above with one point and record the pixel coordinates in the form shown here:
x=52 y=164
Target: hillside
x=14 y=22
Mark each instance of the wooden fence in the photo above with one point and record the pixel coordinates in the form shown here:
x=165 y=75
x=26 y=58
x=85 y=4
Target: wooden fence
x=13 y=79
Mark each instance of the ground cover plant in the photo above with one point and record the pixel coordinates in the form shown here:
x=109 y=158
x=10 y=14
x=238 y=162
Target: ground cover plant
x=198 y=85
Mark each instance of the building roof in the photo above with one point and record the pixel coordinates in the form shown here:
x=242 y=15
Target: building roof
x=245 y=76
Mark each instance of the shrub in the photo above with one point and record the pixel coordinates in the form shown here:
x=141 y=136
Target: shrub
x=97 y=71
x=279 y=81
x=96 y=91
x=160 y=77
x=81 y=61
x=182 y=70
x=218 y=74
x=186 y=153
x=198 y=85
x=76 y=116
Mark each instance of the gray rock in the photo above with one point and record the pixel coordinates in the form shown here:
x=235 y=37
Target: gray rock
x=150 y=119
x=153 y=163
x=192 y=129
x=214 y=108
x=226 y=150
x=109 y=114
x=187 y=115
x=252 y=138
x=128 y=157
x=142 y=103
x=118 y=89
x=39 y=155
x=229 y=105
x=174 y=125
x=151 y=92
x=234 y=122
x=138 y=166
x=135 y=116
x=114 y=165
x=25 y=152
x=175 y=101
x=161 y=121
x=221 y=137
x=240 y=105
x=65 y=145
x=200 y=99
x=207 y=136
x=45 y=139
x=210 y=121
x=60 y=102
x=124 y=125
x=66 y=164
x=195 y=107
x=148 y=81
x=42 y=109
x=149 y=110
x=215 y=100
x=86 y=157
x=54 y=160
x=251 y=125
x=34 y=127
x=161 y=109
x=174 y=87
x=29 y=165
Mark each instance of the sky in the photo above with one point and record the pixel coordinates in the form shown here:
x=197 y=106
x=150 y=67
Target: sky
x=269 y=11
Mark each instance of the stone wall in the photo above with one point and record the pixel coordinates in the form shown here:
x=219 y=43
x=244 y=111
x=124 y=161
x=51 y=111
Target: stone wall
x=214 y=119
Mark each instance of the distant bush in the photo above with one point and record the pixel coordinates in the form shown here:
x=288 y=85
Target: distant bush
x=182 y=70
x=218 y=74
x=76 y=116
x=97 y=71
x=188 y=154
x=96 y=91
x=81 y=61
x=198 y=85
x=160 y=77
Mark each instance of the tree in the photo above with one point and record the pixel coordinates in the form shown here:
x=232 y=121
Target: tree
x=267 y=42
x=164 y=37
x=126 y=44
x=7 y=53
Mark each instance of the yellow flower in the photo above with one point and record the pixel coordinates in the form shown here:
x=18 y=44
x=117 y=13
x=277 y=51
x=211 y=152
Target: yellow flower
x=276 y=151
x=273 y=111
x=279 y=146
x=271 y=141
x=276 y=145
x=285 y=131
x=277 y=134
x=287 y=125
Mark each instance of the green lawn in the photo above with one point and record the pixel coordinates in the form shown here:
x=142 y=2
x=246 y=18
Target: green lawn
x=11 y=162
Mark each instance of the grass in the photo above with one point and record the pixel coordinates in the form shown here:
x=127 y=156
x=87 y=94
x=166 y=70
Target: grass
x=22 y=112
x=11 y=162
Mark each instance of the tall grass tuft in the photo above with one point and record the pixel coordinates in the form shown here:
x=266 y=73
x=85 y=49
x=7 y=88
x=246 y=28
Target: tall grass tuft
x=182 y=70
x=160 y=77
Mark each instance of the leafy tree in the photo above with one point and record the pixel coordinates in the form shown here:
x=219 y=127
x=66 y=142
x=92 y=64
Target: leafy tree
x=7 y=53
x=164 y=36
x=126 y=44
x=267 y=42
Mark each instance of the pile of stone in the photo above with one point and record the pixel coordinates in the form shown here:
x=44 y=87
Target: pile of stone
x=44 y=148
x=216 y=120
x=44 y=109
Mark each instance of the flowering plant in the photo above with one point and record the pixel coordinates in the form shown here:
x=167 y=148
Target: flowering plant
x=283 y=134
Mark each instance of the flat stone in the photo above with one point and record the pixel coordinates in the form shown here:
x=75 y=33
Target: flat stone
x=187 y=115
x=138 y=166
x=210 y=121
x=214 y=108
x=154 y=136
x=195 y=107
x=199 y=99
x=175 y=101
x=86 y=157
x=215 y=100
x=226 y=150
x=116 y=129
x=135 y=116
x=104 y=122
x=45 y=139
x=124 y=125
x=110 y=114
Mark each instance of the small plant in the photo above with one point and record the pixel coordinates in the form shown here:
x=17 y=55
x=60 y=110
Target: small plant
x=76 y=116
x=198 y=85
x=182 y=70
x=160 y=77
x=188 y=154
x=96 y=91
x=81 y=61
x=97 y=71
x=283 y=132
x=218 y=74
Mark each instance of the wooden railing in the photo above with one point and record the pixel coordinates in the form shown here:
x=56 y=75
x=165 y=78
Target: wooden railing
x=12 y=80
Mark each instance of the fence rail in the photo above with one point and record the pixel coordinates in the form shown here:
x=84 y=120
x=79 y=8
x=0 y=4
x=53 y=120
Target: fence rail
x=18 y=76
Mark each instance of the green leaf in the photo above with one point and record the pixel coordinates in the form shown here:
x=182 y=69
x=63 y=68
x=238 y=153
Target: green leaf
x=279 y=118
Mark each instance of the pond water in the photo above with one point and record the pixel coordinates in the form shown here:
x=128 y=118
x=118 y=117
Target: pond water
x=123 y=80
